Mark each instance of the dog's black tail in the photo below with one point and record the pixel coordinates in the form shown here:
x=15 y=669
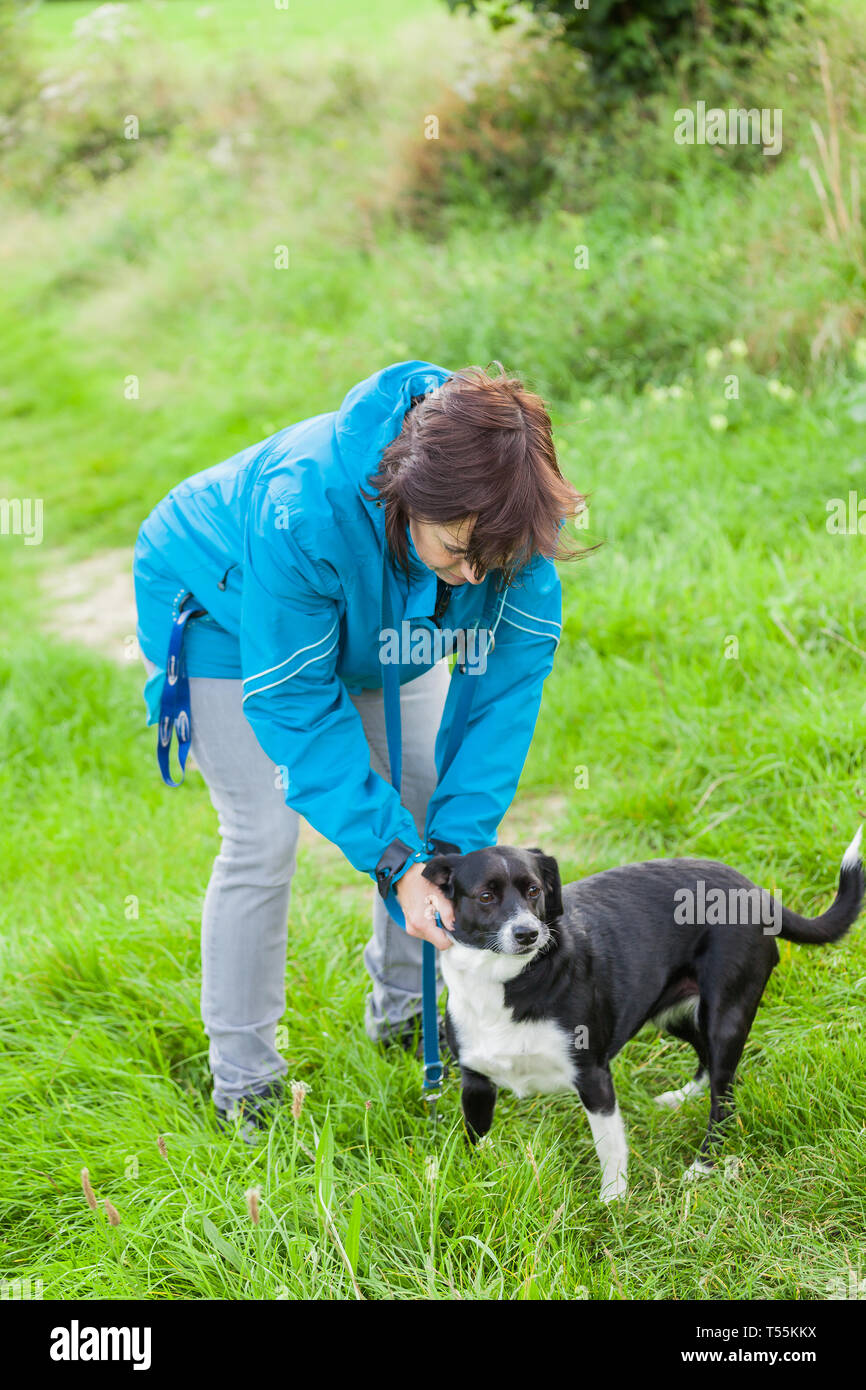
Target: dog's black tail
x=841 y=913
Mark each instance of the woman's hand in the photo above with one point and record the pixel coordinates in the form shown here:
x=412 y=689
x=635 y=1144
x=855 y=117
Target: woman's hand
x=421 y=900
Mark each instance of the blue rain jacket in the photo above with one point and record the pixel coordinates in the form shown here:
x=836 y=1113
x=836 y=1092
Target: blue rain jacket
x=285 y=554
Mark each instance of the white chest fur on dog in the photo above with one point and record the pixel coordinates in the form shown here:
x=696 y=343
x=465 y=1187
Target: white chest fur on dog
x=528 y=1058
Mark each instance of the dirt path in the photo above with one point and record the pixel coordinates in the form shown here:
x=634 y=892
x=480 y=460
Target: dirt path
x=92 y=602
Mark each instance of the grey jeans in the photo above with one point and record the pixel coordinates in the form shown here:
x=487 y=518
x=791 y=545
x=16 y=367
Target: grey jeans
x=245 y=915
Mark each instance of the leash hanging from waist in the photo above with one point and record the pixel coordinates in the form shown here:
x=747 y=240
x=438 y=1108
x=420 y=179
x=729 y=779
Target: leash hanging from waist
x=174 y=710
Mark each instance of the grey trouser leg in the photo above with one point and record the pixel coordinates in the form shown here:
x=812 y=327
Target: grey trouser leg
x=245 y=914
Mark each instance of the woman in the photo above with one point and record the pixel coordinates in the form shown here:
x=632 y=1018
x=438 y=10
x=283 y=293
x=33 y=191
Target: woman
x=304 y=573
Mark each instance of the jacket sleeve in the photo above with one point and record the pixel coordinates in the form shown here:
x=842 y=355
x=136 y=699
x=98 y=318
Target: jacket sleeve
x=298 y=706
x=478 y=787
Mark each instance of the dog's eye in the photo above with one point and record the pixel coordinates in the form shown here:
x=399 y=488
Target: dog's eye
x=485 y=897
x=533 y=890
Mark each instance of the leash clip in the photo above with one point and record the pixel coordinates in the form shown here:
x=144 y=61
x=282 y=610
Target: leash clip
x=433 y=1072
x=432 y=1089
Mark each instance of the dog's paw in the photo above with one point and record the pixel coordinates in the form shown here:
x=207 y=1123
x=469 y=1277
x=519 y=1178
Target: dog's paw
x=697 y=1170
x=614 y=1191
x=672 y=1100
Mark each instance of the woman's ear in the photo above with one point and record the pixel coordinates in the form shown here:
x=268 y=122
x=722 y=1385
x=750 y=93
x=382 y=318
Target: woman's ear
x=440 y=870
x=549 y=870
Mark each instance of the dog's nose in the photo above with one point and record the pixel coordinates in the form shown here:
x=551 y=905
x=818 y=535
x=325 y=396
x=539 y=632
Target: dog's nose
x=524 y=936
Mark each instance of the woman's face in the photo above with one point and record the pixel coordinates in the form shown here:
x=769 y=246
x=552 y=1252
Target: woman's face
x=441 y=546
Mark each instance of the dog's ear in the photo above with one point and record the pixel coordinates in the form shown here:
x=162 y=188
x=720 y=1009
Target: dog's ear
x=549 y=870
x=440 y=870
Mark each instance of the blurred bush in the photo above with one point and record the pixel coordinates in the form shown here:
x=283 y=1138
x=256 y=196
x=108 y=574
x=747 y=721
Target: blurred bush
x=535 y=118
x=681 y=244
x=16 y=63
x=119 y=95
x=501 y=130
x=634 y=45
x=67 y=127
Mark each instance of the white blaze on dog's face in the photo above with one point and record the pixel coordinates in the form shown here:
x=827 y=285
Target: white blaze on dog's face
x=504 y=899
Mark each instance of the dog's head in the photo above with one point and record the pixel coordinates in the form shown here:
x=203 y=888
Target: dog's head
x=505 y=900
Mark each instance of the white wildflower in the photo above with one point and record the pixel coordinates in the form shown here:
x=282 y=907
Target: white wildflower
x=105 y=24
x=222 y=154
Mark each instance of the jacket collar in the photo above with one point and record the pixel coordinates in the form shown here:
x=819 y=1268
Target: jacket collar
x=421 y=598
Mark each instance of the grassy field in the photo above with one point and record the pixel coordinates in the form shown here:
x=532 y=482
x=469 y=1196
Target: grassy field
x=747 y=750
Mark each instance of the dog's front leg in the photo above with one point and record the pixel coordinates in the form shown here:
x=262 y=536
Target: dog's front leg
x=595 y=1088
x=478 y=1098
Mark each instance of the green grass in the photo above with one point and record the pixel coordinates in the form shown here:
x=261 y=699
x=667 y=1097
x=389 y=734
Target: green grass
x=165 y=271
x=203 y=29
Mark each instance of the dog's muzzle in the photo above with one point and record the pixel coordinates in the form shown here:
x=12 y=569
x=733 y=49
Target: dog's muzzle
x=521 y=934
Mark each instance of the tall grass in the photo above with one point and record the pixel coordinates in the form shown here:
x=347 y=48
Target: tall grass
x=749 y=752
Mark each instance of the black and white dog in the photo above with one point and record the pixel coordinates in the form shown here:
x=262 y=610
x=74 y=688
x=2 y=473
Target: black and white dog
x=546 y=984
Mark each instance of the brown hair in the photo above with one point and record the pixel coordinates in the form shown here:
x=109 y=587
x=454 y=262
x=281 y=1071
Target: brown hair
x=479 y=446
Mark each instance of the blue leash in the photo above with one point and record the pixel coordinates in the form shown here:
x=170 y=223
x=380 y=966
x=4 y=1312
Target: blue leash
x=391 y=691
x=174 y=715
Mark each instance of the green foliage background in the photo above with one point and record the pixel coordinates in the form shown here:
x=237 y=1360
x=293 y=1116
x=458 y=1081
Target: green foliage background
x=637 y=45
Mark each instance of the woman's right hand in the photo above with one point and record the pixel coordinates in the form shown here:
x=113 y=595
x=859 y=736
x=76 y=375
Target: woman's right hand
x=421 y=900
